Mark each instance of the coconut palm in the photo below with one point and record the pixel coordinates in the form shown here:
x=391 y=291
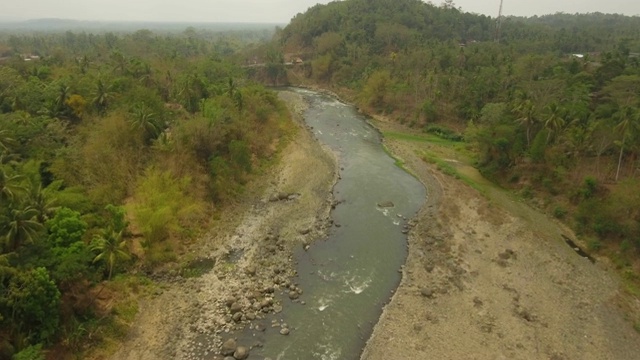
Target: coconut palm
x=111 y=248
x=10 y=185
x=143 y=119
x=525 y=111
x=22 y=227
x=6 y=141
x=555 y=120
x=40 y=200
x=102 y=96
x=628 y=124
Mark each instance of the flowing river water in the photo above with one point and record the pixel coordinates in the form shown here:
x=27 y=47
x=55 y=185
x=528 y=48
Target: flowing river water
x=350 y=275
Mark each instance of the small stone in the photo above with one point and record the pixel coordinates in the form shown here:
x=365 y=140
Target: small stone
x=293 y=295
x=251 y=270
x=237 y=317
x=386 y=204
x=284 y=331
x=241 y=353
x=427 y=293
x=235 y=307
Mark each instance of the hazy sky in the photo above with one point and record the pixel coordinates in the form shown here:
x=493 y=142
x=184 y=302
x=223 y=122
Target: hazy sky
x=278 y=11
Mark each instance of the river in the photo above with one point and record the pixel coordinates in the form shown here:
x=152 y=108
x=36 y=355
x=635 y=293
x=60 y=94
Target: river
x=349 y=276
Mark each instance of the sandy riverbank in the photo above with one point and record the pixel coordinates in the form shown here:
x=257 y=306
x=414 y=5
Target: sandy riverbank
x=491 y=278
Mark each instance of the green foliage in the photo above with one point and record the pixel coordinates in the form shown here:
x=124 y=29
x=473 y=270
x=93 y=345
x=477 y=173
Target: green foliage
x=110 y=244
x=539 y=146
x=429 y=110
x=33 y=352
x=375 y=89
x=589 y=187
x=594 y=244
x=162 y=123
x=240 y=155
x=559 y=212
x=32 y=300
x=444 y=133
x=66 y=227
x=163 y=205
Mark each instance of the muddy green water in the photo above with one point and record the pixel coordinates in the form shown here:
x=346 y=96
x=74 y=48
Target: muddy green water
x=349 y=276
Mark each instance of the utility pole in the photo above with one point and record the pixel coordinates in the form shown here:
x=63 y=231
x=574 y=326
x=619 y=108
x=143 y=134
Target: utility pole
x=496 y=38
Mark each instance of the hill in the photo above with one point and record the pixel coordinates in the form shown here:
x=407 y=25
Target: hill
x=550 y=108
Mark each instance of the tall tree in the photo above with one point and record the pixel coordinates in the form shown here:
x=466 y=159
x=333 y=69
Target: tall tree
x=23 y=226
x=525 y=111
x=628 y=123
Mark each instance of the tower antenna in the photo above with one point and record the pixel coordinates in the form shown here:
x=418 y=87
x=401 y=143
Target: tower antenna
x=498 y=24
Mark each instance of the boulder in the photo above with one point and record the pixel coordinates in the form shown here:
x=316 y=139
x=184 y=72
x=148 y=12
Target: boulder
x=284 y=331
x=228 y=347
x=241 y=353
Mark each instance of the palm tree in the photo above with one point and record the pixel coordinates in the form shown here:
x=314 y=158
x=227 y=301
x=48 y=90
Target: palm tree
x=22 y=227
x=555 y=120
x=41 y=201
x=9 y=186
x=83 y=63
x=63 y=95
x=525 y=111
x=144 y=119
x=629 y=121
x=119 y=62
x=111 y=247
x=6 y=141
x=102 y=96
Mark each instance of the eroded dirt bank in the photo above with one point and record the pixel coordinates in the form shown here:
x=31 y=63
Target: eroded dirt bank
x=492 y=279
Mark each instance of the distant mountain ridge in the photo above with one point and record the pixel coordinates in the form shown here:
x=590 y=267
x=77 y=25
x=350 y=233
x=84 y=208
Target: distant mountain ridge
x=59 y=24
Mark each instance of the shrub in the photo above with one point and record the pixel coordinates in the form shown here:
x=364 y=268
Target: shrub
x=444 y=133
x=163 y=205
x=559 y=212
x=594 y=244
x=589 y=187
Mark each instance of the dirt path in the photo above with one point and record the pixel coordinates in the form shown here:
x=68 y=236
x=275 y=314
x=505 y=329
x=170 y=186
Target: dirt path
x=251 y=247
x=493 y=279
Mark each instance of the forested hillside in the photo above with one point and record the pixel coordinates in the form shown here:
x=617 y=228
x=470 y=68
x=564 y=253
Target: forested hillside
x=550 y=105
x=115 y=151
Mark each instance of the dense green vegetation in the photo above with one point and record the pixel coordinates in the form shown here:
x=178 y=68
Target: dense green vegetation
x=116 y=147
x=551 y=108
x=114 y=151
